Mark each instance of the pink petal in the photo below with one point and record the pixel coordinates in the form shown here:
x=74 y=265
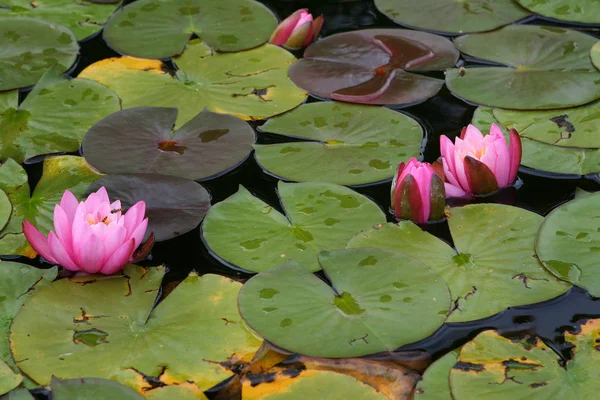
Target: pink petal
x=63 y=228
x=80 y=228
x=502 y=167
x=423 y=176
x=95 y=200
x=317 y=25
x=454 y=191
x=286 y=27
x=69 y=205
x=38 y=241
x=119 y=258
x=133 y=217
x=138 y=234
x=92 y=254
x=473 y=135
x=515 y=153
x=60 y=254
x=115 y=237
x=460 y=174
x=449 y=175
x=447 y=150
x=490 y=156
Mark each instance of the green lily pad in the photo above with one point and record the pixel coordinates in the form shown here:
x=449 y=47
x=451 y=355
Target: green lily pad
x=527 y=369
x=83 y=18
x=91 y=389
x=174 y=205
x=540 y=63
x=88 y=326
x=435 y=384
x=312 y=385
x=29 y=47
x=182 y=391
x=542 y=156
x=595 y=54
x=60 y=173
x=494 y=264
x=579 y=11
x=5 y=209
x=248 y=233
x=54 y=117
x=349 y=144
x=18 y=394
x=452 y=16
x=380 y=300
x=18 y=282
x=568 y=241
x=141 y=29
x=141 y=140
x=251 y=84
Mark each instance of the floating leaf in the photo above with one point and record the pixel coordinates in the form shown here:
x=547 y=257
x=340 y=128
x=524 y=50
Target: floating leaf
x=370 y=66
x=18 y=394
x=451 y=16
x=580 y=11
x=541 y=62
x=174 y=205
x=91 y=389
x=83 y=18
x=380 y=300
x=83 y=327
x=141 y=29
x=8 y=379
x=141 y=140
x=349 y=144
x=182 y=391
x=251 y=84
x=494 y=266
x=435 y=384
x=248 y=233
x=29 y=47
x=527 y=369
x=54 y=116
x=5 y=209
x=595 y=54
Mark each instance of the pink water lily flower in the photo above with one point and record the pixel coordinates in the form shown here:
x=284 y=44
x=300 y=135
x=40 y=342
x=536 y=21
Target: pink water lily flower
x=479 y=165
x=91 y=236
x=297 y=31
x=418 y=192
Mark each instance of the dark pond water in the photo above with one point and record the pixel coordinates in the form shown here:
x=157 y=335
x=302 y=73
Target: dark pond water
x=442 y=114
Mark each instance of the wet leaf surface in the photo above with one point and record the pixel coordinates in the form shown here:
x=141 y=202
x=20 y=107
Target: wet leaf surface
x=346 y=144
x=248 y=233
x=436 y=379
x=580 y=11
x=91 y=389
x=493 y=267
x=379 y=300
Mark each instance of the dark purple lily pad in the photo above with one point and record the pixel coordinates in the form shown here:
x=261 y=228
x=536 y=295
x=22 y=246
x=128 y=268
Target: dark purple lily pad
x=174 y=205
x=140 y=140
x=371 y=66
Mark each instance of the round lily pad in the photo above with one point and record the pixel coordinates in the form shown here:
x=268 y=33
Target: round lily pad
x=540 y=61
x=182 y=391
x=435 y=384
x=452 y=16
x=371 y=66
x=8 y=379
x=248 y=233
x=174 y=205
x=91 y=389
x=494 y=264
x=379 y=300
x=5 y=209
x=18 y=394
x=568 y=241
x=527 y=369
x=349 y=144
x=84 y=326
x=595 y=54
x=312 y=385
x=141 y=29
x=29 y=47
x=54 y=117
x=579 y=11
x=251 y=84
x=83 y=18
x=141 y=140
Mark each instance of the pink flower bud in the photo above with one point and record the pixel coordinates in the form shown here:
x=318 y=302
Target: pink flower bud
x=418 y=192
x=297 y=31
x=93 y=236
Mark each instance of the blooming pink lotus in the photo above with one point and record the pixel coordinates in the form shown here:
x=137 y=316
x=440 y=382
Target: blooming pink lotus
x=479 y=165
x=418 y=192
x=297 y=31
x=92 y=236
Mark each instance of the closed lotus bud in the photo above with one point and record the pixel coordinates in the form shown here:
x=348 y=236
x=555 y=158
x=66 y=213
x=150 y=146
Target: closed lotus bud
x=297 y=31
x=418 y=192
x=480 y=165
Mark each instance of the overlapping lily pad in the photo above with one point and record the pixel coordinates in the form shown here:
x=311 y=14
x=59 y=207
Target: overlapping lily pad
x=595 y=54
x=54 y=117
x=380 y=300
x=251 y=84
x=83 y=18
x=18 y=394
x=371 y=66
x=494 y=266
x=174 y=205
x=579 y=11
x=29 y=47
x=91 y=389
x=529 y=369
x=5 y=209
x=248 y=233
x=348 y=144
x=546 y=67
x=231 y=26
x=8 y=379
x=182 y=391
x=141 y=140
x=451 y=16
x=60 y=173
x=568 y=242
x=105 y=327
x=436 y=379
